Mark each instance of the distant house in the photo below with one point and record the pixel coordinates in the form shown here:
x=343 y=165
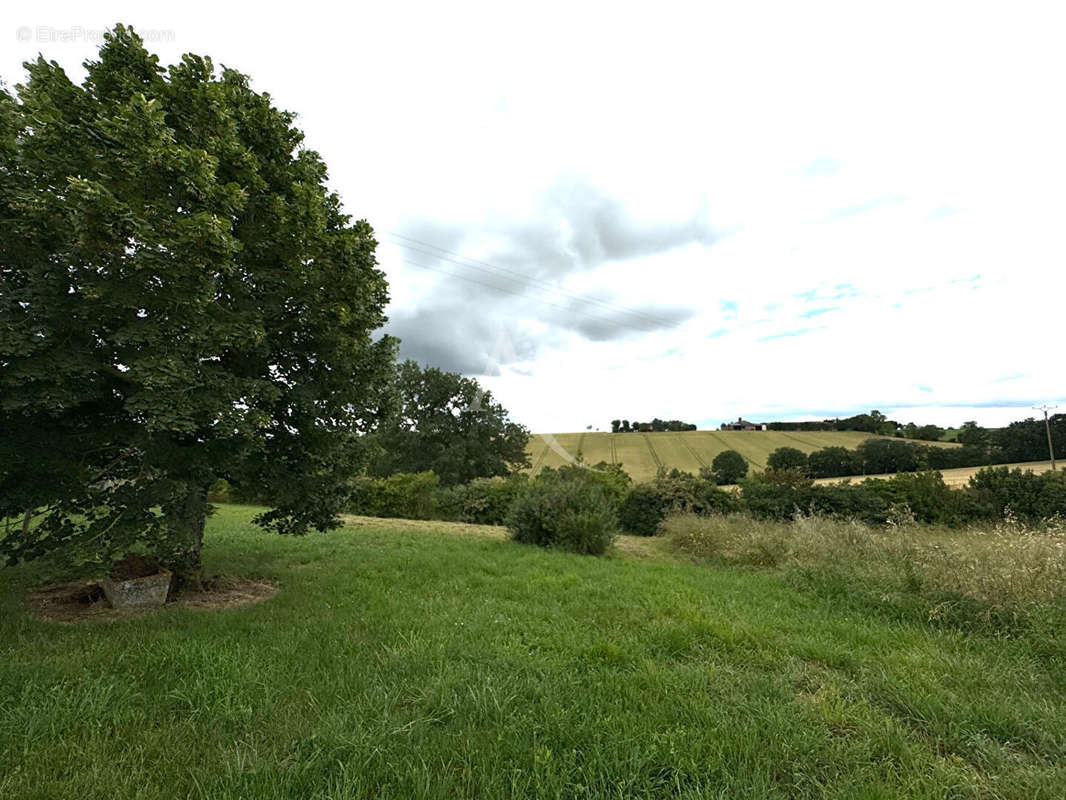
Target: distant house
x=742 y=425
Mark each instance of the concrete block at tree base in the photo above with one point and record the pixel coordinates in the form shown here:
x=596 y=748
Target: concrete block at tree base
x=138 y=592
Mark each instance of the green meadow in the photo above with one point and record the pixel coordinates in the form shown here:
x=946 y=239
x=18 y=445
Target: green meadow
x=428 y=660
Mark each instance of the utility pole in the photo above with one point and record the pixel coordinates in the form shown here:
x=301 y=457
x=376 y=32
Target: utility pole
x=1047 y=429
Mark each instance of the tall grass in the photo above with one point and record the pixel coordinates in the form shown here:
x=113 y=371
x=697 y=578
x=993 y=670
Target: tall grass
x=417 y=661
x=1001 y=579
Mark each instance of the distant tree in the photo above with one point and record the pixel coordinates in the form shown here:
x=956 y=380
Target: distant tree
x=786 y=458
x=930 y=433
x=615 y=425
x=888 y=455
x=1026 y=440
x=182 y=300
x=833 y=462
x=446 y=423
x=729 y=467
x=625 y=426
x=972 y=434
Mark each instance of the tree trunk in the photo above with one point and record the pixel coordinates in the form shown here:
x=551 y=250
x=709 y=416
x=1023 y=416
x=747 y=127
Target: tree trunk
x=187 y=525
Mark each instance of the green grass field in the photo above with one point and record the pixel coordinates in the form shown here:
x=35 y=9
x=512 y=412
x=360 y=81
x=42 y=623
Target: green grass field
x=642 y=453
x=417 y=660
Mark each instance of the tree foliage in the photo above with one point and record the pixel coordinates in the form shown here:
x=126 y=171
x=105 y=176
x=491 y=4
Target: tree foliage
x=446 y=423
x=181 y=300
x=728 y=467
x=833 y=462
x=1026 y=440
x=786 y=458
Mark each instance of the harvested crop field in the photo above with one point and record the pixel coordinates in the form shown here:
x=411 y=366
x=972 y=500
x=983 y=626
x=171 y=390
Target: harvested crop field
x=641 y=454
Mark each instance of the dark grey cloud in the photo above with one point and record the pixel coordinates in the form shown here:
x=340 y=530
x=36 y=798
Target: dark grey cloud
x=516 y=273
x=601 y=326
x=451 y=338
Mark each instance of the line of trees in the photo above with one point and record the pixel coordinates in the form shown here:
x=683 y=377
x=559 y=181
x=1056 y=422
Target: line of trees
x=656 y=425
x=875 y=422
x=641 y=508
x=1018 y=443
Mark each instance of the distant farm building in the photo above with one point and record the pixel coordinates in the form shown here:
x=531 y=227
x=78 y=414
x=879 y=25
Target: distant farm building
x=742 y=425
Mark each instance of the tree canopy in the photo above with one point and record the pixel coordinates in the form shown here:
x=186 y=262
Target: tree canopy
x=785 y=458
x=181 y=299
x=444 y=422
x=729 y=466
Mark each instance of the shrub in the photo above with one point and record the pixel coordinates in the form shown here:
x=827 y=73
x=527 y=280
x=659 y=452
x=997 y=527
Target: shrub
x=573 y=515
x=925 y=494
x=729 y=466
x=643 y=511
x=485 y=501
x=995 y=491
x=686 y=493
x=776 y=495
x=408 y=495
x=610 y=478
x=220 y=492
x=786 y=458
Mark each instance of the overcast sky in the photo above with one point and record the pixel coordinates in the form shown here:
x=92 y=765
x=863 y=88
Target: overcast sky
x=691 y=211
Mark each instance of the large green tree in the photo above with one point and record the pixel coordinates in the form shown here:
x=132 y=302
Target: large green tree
x=784 y=458
x=444 y=422
x=729 y=466
x=181 y=300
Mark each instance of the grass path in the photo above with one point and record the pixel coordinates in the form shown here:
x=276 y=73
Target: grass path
x=426 y=660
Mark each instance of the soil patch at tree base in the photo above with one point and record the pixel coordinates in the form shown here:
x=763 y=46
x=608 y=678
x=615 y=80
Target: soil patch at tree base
x=82 y=601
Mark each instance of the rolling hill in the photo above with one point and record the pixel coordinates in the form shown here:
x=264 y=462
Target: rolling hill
x=641 y=454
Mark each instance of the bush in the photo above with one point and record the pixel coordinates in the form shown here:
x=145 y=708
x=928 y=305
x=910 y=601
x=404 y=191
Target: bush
x=484 y=501
x=926 y=495
x=574 y=515
x=611 y=479
x=1000 y=491
x=643 y=511
x=222 y=491
x=685 y=493
x=407 y=495
x=786 y=458
x=776 y=495
x=728 y=467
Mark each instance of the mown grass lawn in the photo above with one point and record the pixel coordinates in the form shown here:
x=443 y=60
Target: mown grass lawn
x=410 y=661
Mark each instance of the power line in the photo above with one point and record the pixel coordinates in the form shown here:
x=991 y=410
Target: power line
x=518 y=277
